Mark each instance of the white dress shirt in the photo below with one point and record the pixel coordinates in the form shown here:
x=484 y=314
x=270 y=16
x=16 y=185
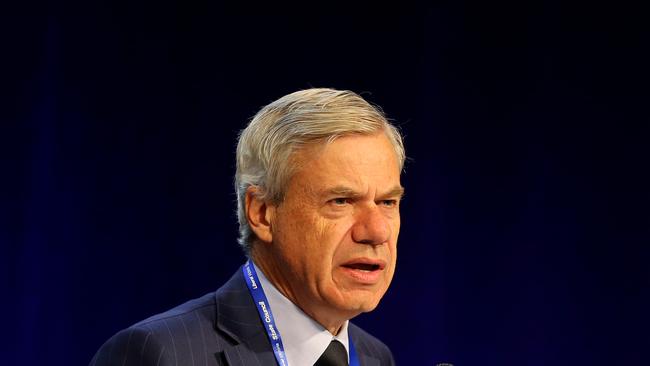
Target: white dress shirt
x=303 y=338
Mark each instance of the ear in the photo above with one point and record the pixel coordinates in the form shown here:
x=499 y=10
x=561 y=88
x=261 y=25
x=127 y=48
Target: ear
x=259 y=214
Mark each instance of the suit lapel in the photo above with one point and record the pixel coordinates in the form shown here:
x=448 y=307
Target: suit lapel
x=238 y=318
x=366 y=358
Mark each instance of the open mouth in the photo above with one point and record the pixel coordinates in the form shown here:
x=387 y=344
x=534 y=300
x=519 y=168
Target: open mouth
x=364 y=271
x=368 y=267
x=365 y=264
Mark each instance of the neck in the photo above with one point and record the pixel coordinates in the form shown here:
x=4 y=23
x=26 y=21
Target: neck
x=274 y=274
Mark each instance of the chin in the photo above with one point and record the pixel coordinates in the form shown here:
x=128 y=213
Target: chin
x=358 y=304
x=369 y=307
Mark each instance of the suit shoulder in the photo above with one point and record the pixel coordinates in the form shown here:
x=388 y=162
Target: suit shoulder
x=129 y=346
x=203 y=307
x=161 y=337
x=366 y=342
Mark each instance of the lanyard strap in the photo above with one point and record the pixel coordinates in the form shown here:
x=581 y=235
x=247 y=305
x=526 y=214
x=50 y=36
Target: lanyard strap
x=354 y=360
x=264 y=310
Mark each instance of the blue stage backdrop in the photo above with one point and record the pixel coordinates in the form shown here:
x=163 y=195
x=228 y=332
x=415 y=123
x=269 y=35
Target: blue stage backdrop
x=526 y=223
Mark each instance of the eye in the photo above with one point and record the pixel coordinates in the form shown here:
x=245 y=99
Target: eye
x=388 y=203
x=339 y=201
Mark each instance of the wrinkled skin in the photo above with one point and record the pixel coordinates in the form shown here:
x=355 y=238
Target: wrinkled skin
x=340 y=207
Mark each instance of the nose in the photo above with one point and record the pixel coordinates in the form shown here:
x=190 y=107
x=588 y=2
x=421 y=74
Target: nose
x=371 y=227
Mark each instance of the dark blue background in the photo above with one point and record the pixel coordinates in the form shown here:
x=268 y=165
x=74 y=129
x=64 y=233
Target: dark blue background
x=526 y=223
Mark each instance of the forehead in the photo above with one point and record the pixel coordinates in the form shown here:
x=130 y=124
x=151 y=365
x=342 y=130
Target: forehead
x=356 y=161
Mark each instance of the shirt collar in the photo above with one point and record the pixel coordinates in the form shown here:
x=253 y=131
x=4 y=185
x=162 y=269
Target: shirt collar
x=303 y=338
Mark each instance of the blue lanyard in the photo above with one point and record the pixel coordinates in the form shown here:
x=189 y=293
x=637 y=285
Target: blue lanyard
x=264 y=310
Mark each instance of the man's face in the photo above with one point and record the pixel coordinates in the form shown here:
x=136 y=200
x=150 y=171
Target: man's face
x=335 y=234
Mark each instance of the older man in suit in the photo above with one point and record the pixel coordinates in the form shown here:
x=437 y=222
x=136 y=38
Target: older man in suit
x=318 y=188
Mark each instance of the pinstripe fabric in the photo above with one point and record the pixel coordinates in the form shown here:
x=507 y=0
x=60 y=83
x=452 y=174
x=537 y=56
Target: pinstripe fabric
x=221 y=328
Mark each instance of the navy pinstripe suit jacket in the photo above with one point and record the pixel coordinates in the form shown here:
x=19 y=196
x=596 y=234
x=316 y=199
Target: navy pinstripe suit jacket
x=220 y=328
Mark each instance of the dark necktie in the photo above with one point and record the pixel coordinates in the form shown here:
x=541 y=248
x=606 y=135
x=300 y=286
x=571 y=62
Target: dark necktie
x=334 y=355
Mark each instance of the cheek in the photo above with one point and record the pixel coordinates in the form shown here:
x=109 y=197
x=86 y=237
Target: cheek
x=337 y=235
x=393 y=248
x=395 y=236
x=314 y=240
x=326 y=239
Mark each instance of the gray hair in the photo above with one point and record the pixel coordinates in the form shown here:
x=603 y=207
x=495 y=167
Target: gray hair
x=279 y=129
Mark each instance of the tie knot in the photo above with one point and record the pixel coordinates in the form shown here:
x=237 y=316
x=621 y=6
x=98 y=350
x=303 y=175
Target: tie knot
x=334 y=355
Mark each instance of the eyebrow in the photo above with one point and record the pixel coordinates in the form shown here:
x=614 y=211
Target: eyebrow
x=397 y=191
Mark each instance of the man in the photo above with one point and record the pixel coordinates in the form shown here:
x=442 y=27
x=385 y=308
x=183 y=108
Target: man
x=318 y=188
